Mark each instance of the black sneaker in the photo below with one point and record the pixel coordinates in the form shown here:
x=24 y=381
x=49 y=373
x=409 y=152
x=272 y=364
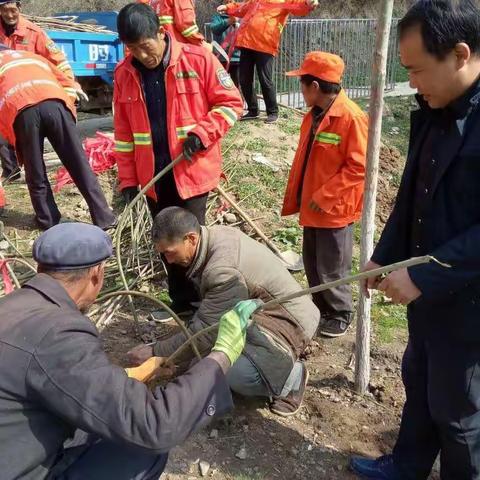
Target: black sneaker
x=336 y=326
x=249 y=116
x=272 y=118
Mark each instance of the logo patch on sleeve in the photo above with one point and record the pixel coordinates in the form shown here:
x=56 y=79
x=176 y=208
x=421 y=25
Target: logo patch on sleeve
x=224 y=79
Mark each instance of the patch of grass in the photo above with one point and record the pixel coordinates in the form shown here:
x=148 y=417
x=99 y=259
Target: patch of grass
x=388 y=320
x=263 y=187
x=290 y=236
x=258 y=144
x=289 y=122
x=396 y=122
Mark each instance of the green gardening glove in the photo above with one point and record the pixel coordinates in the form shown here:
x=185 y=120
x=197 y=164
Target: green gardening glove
x=233 y=329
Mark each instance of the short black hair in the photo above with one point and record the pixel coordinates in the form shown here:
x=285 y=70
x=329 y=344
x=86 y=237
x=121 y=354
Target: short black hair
x=444 y=24
x=173 y=223
x=137 y=21
x=325 y=87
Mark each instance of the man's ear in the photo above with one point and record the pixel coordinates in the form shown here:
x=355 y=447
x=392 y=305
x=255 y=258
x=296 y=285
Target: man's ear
x=192 y=238
x=463 y=54
x=96 y=274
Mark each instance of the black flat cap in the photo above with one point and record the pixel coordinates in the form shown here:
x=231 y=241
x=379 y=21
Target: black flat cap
x=72 y=246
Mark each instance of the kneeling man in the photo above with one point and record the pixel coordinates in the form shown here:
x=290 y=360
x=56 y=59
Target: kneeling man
x=227 y=266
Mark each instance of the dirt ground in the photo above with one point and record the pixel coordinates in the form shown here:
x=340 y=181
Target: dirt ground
x=333 y=424
x=251 y=443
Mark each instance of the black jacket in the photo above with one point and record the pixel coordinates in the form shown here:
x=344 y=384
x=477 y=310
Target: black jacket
x=450 y=226
x=55 y=377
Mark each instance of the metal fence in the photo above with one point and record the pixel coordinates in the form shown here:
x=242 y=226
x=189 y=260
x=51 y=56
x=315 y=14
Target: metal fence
x=352 y=39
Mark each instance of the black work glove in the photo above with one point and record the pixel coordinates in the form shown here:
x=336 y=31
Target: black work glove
x=129 y=193
x=191 y=146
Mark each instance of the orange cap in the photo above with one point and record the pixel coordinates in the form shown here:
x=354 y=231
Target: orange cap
x=323 y=65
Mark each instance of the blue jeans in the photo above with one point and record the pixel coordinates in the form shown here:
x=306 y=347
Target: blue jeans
x=245 y=379
x=103 y=460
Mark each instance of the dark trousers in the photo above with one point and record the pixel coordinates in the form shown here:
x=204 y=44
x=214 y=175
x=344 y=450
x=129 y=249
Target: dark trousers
x=249 y=59
x=327 y=255
x=234 y=71
x=102 y=460
x=51 y=119
x=8 y=160
x=442 y=410
x=182 y=292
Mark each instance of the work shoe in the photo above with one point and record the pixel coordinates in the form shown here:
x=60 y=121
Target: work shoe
x=249 y=116
x=291 y=404
x=335 y=326
x=112 y=226
x=272 y=118
x=381 y=468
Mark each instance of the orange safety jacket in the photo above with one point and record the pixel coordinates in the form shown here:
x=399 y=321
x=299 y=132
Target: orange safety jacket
x=335 y=171
x=27 y=79
x=178 y=18
x=263 y=22
x=201 y=99
x=31 y=38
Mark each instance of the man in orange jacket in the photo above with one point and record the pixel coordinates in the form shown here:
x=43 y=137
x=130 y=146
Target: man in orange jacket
x=170 y=98
x=17 y=33
x=258 y=39
x=178 y=18
x=326 y=184
x=37 y=102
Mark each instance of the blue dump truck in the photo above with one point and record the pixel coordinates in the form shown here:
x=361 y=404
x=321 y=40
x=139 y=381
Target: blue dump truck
x=93 y=56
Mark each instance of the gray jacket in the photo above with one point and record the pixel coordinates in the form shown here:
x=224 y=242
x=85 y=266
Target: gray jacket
x=55 y=378
x=228 y=267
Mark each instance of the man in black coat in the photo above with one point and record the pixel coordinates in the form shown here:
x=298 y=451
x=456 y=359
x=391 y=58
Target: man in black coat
x=66 y=412
x=437 y=212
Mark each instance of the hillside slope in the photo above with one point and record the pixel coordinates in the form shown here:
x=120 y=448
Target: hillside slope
x=330 y=9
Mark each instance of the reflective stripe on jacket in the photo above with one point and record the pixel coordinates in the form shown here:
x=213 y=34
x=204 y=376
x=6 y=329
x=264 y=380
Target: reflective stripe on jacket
x=178 y=17
x=201 y=98
x=27 y=79
x=335 y=173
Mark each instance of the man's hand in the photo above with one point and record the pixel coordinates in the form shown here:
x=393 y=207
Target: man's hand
x=221 y=8
x=140 y=354
x=313 y=206
x=154 y=367
x=233 y=328
x=372 y=282
x=399 y=287
x=129 y=193
x=191 y=146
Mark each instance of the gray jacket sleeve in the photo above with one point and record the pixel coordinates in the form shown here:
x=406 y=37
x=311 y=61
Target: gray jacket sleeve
x=222 y=289
x=70 y=375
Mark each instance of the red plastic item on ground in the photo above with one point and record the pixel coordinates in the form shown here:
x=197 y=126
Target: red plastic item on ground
x=7 y=281
x=3 y=200
x=100 y=155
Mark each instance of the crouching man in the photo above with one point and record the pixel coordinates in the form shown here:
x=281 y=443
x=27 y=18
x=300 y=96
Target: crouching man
x=227 y=266
x=75 y=414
